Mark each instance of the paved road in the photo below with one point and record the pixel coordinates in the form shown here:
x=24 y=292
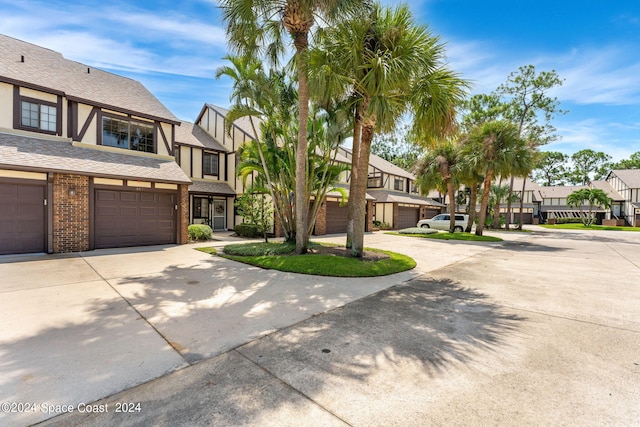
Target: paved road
x=543 y=329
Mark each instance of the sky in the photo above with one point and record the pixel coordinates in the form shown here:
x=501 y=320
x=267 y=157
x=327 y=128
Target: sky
x=174 y=48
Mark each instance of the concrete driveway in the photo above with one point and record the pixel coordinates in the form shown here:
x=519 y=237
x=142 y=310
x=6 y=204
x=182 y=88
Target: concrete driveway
x=541 y=329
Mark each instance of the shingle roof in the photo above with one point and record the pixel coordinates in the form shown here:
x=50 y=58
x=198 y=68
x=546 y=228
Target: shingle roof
x=631 y=177
x=211 y=188
x=38 y=154
x=608 y=189
x=49 y=69
x=385 y=196
x=559 y=191
x=191 y=134
x=385 y=166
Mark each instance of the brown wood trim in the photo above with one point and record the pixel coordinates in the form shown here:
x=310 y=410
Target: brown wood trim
x=190 y=161
x=59 y=115
x=16 y=107
x=201 y=114
x=87 y=123
x=28 y=85
x=173 y=138
x=69 y=120
x=123 y=110
x=226 y=167
x=164 y=139
x=74 y=120
x=49 y=214
x=92 y=215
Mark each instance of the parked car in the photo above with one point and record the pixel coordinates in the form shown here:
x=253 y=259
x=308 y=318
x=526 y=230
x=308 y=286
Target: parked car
x=441 y=222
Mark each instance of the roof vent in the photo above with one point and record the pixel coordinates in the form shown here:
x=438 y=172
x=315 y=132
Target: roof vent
x=88 y=70
x=21 y=58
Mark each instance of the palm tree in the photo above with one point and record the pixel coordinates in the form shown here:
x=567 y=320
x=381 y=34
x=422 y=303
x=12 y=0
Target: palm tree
x=260 y=26
x=268 y=102
x=386 y=66
x=492 y=149
x=437 y=170
x=594 y=196
x=500 y=194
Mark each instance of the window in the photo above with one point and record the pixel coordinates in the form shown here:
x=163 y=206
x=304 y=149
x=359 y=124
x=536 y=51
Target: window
x=128 y=134
x=398 y=184
x=210 y=164
x=38 y=115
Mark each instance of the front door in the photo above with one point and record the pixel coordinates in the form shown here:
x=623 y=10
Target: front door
x=219 y=214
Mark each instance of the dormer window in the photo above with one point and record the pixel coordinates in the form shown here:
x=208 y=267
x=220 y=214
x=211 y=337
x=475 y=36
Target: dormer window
x=38 y=116
x=398 y=184
x=128 y=134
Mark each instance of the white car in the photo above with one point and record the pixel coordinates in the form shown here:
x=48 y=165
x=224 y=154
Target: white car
x=441 y=222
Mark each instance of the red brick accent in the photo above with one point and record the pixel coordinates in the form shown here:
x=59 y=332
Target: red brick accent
x=70 y=213
x=321 y=220
x=183 y=214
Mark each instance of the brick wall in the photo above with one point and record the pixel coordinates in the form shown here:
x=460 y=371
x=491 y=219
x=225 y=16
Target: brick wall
x=70 y=213
x=183 y=214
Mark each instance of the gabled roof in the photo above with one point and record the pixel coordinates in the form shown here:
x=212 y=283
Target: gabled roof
x=243 y=123
x=559 y=192
x=39 y=68
x=193 y=135
x=631 y=177
x=384 y=166
x=608 y=189
x=199 y=186
x=387 y=196
x=57 y=155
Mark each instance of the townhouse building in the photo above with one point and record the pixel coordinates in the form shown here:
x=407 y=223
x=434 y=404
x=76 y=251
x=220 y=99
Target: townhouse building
x=86 y=158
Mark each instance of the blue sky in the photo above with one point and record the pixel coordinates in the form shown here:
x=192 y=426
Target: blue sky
x=174 y=48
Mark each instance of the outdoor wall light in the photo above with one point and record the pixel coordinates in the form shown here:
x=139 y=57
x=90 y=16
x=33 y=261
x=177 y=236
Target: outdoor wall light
x=72 y=191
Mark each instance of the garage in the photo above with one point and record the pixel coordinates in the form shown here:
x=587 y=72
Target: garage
x=407 y=217
x=22 y=218
x=336 y=218
x=429 y=213
x=134 y=218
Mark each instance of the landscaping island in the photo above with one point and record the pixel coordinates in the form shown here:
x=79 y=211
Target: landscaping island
x=322 y=259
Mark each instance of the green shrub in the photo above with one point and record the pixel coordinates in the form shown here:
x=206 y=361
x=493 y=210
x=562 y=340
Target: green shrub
x=247 y=230
x=199 y=232
x=385 y=226
x=376 y=223
x=568 y=220
x=260 y=249
x=417 y=230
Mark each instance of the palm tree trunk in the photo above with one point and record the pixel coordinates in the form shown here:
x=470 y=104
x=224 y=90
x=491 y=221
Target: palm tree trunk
x=496 y=215
x=473 y=199
x=484 y=203
x=524 y=185
x=357 y=197
x=452 y=206
x=353 y=182
x=301 y=43
x=508 y=215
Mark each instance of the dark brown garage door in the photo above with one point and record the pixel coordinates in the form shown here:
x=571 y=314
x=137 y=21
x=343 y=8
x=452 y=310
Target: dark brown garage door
x=132 y=218
x=407 y=217
x=430 y=213
x=22 y=218
x=336 y=218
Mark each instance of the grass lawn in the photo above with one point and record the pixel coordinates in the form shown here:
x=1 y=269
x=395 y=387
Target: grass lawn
x=280 y=256
x=469 y=237
x=593 y=227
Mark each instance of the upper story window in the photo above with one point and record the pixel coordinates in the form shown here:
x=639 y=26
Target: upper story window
x=39 y=116
x=128 y=134
x=210 y=164
x=398 y=184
